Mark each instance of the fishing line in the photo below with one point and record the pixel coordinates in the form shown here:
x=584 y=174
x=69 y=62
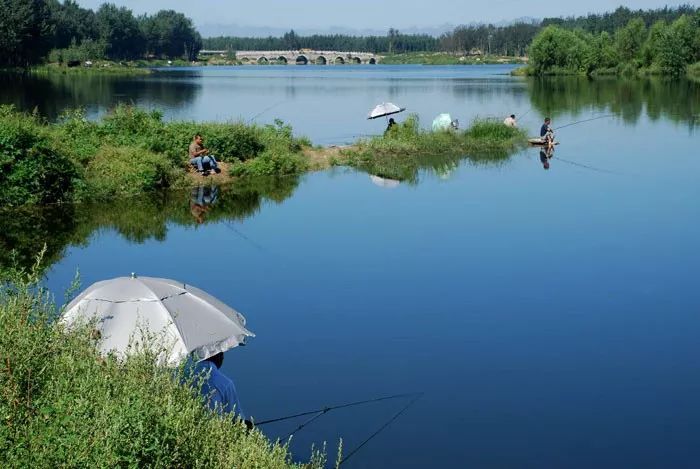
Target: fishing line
x=388 y=422
x=340 y=406
x=242 y=236
x=592 y=168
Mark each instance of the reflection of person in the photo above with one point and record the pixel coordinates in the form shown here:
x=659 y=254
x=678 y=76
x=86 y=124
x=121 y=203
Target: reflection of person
x=199 y=156
x=201 y=200
x=546 y=153
x=392 y=123
x=510 y=121
x=217 y=387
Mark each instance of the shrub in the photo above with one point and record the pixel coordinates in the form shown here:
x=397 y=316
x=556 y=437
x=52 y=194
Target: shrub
x=64 y=405
x=126 y=171
x=31 y=170
x=271 y=163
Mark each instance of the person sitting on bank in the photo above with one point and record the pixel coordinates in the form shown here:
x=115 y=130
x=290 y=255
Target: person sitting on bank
x=547 y=133
x=199 y=156
x=510 y=121
x=218 y=388
x=392 y=123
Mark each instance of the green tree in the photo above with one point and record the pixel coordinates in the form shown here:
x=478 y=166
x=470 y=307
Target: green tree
x=630 y=39
x=677 y=46
x=72 y=24
x=171 y=34
x=120 y=32
x=25 y=29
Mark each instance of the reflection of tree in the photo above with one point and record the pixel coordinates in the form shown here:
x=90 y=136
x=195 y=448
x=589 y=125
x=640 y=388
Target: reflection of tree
x=51 y=94
x=23 y=232
x=676 y=100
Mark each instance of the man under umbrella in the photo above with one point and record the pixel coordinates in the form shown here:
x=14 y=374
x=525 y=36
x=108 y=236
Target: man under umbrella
x=217 y=388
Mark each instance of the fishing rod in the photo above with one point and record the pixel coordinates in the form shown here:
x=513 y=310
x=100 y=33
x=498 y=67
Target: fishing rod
x=265 y=110
x=340 y=406
x=380 y=429
x=585 y=120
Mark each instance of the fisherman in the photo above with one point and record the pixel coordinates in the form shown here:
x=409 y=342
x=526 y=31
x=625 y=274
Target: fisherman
x=392 y=123
x=218 y=388
x=199 y=156
x=510 y=121
x=547 y=133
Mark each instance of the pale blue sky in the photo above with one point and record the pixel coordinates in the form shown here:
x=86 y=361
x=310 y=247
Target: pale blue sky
x=373 y=14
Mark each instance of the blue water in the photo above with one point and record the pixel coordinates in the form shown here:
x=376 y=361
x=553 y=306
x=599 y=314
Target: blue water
x=549 y=316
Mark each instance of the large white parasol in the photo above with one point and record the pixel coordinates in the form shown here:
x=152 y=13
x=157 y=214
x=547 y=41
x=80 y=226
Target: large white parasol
x=168 y=317
x=384 y=109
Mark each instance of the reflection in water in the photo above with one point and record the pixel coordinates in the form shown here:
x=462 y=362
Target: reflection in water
x=676 y=100
x=384 y=182
x=201 y=200
x=52 y=94
x=25 y=231
x=546 y=154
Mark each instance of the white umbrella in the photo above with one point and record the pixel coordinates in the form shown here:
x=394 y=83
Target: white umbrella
x=384 y=109
x=384 y=182
x=442 y=122
x=168 y=317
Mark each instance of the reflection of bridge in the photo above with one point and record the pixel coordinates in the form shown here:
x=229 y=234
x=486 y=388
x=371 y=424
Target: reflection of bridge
x=306 y=56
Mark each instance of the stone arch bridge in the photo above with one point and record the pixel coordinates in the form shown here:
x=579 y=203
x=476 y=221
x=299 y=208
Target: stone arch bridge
x=304 y=57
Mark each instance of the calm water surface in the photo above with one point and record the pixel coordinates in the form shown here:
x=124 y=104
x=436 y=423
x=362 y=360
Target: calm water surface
x=550 y=316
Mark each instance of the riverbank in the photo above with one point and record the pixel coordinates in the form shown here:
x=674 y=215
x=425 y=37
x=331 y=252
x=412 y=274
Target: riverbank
x=131 y=151
x=444 y=58
x=65 y=405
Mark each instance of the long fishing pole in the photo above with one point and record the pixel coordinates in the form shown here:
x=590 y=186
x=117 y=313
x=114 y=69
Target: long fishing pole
x=581 y=165
x=265 y=110
x=340 y=406
x=585 y=120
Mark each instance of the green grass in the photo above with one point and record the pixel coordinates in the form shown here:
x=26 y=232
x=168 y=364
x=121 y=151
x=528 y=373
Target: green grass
x=408 y=148
x=98 y=68
x=129 y=151
x=62 y=405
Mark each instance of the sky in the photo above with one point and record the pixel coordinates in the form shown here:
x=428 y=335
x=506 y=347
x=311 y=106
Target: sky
x=372 y=14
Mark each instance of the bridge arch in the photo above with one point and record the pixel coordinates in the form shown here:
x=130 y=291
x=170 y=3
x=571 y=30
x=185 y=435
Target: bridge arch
x=372 y=61
x=282 y=60
x=356 y=60
x=321 y=60
x=339 y=60
x=263 y=61
x=302 y=60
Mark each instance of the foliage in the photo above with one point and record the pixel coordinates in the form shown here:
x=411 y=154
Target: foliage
x=25 y=31
x=171 y=34
x=664 y=48
x=120 y=32
x=64 y=405
x=32 y=170
x=407 y=148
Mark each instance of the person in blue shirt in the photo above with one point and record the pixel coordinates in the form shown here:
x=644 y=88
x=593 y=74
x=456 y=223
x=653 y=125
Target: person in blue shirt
x=217 y=387
x=547 y=133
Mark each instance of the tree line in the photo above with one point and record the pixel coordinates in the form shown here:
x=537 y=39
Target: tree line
x=664 y=48
x=512 y=40
x=32 y=31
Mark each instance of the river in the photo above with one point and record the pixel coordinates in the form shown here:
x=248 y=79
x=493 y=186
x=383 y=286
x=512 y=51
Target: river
x=549 y=316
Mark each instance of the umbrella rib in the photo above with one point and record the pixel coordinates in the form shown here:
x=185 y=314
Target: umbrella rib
x=140 y=300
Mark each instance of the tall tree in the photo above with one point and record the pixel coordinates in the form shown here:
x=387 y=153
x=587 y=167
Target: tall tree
x=120 y=32
x=171 y=34
x=25 y=31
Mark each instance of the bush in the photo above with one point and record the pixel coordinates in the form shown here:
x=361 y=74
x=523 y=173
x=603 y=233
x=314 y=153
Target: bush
x=64 y=405
x=126 y=171
x=31 y=170
x=271 y=164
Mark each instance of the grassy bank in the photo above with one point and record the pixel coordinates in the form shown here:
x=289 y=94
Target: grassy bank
x=63 y=405
x=408 y=148
x=132 y=151
x=129 y=151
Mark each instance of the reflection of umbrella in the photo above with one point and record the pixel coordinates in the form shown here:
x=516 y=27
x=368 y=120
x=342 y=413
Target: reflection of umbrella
x=442 y=122
x=384 y=109
x=383 y=182
x=184 y=319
